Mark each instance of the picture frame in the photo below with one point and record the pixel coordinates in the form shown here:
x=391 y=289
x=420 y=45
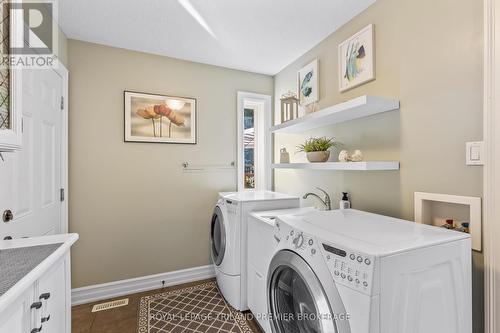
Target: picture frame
x=357 y=59
x=155 y=118
x=308 y=83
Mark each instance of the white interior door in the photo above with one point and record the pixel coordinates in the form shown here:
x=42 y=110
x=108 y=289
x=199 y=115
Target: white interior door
x=37 y=170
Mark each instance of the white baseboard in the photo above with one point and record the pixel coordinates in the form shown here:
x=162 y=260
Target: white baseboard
x=125 y=287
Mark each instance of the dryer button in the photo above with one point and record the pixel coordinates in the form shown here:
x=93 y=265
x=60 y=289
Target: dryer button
x=311 y=242
x=360 y=259
x=342 y=275
x=365 y=284
x=336 y=273
x=349 y=278
x=368 y=261
x=352 y=256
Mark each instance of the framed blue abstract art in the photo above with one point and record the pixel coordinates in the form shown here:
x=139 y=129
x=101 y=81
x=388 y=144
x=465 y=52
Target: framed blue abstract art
x=357 y=59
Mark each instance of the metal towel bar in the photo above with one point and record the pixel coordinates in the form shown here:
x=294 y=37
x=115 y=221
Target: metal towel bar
x=188 y=167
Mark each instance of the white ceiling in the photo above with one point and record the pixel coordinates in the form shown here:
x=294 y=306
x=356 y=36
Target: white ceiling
x=262 y=36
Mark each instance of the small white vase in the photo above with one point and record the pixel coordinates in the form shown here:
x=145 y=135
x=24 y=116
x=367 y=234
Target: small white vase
x=318 y=156
x=284 y=156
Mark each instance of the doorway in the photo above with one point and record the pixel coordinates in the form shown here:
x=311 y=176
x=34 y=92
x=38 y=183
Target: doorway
x=36 y=177
x=254 y=142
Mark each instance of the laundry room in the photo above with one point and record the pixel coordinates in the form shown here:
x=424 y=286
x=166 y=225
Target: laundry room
x=251 y=166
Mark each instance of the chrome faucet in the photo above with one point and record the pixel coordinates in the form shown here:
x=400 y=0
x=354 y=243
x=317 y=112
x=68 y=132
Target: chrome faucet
x=327 y=202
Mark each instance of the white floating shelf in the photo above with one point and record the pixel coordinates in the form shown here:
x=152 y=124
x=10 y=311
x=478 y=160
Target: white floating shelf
x=360 y=107
x=353 y=166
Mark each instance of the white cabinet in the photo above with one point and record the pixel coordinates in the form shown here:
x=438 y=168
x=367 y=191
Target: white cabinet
x=45 y=306
x=18 y=317
x=53 y=293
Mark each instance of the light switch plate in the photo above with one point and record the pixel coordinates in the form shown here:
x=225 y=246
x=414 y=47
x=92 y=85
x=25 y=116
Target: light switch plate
x=474 y=153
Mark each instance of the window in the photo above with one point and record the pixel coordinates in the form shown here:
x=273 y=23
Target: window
x=5 y=121
x=254 y=144
x=249 y=148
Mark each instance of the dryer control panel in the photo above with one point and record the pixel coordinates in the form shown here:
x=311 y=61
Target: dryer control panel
x=349 y=267
x=231 y=206
x=296 y=240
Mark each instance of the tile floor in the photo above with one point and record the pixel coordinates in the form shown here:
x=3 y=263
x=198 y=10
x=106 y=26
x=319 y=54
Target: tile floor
x=120 y=320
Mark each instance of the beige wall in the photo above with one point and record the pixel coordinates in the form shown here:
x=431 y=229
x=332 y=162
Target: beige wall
x=136 y=212
x=429 y=56
x=63 y=48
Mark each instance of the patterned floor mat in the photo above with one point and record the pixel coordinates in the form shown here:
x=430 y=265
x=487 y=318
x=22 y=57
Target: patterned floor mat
x=197 y=309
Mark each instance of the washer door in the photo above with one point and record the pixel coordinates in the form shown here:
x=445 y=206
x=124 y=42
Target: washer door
x=296 y=298
x=218 y=236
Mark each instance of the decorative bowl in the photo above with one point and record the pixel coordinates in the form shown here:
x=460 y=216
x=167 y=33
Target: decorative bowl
x=318 y=156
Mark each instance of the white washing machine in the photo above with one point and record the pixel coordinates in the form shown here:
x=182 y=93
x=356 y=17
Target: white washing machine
x=229 y=238
x=262 y=244
x=355 y=272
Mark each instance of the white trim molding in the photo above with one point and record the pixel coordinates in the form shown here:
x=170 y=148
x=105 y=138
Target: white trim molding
x=131 y=286
x=64 y=74
x=423 y=216
x=491 y=185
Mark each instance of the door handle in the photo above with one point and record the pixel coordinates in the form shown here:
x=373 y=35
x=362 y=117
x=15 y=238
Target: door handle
x=7 y=216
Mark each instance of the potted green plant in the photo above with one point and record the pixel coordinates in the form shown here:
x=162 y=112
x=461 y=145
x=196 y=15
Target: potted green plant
x=317 y=149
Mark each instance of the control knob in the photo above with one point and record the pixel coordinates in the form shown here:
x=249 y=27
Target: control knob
x=298 y=241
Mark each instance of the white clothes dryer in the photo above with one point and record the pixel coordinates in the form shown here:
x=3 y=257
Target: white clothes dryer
x=354 y=272
x=228 y=238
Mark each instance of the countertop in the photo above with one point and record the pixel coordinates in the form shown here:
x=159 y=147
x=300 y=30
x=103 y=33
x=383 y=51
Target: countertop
x=23 y=261
x=16 y=263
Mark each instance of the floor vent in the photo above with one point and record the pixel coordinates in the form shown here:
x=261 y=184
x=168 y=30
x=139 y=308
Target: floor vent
x=110 y=305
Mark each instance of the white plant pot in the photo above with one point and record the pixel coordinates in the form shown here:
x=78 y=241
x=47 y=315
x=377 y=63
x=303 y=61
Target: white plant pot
x=318 y=156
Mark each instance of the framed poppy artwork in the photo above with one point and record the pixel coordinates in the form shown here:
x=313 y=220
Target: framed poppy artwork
x=357 y=59
x=159 y=118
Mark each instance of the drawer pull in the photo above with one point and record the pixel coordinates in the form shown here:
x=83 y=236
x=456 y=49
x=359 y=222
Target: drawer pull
x=36 y=305
x=37 y=330
x=45 y=296
x=46 y=319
